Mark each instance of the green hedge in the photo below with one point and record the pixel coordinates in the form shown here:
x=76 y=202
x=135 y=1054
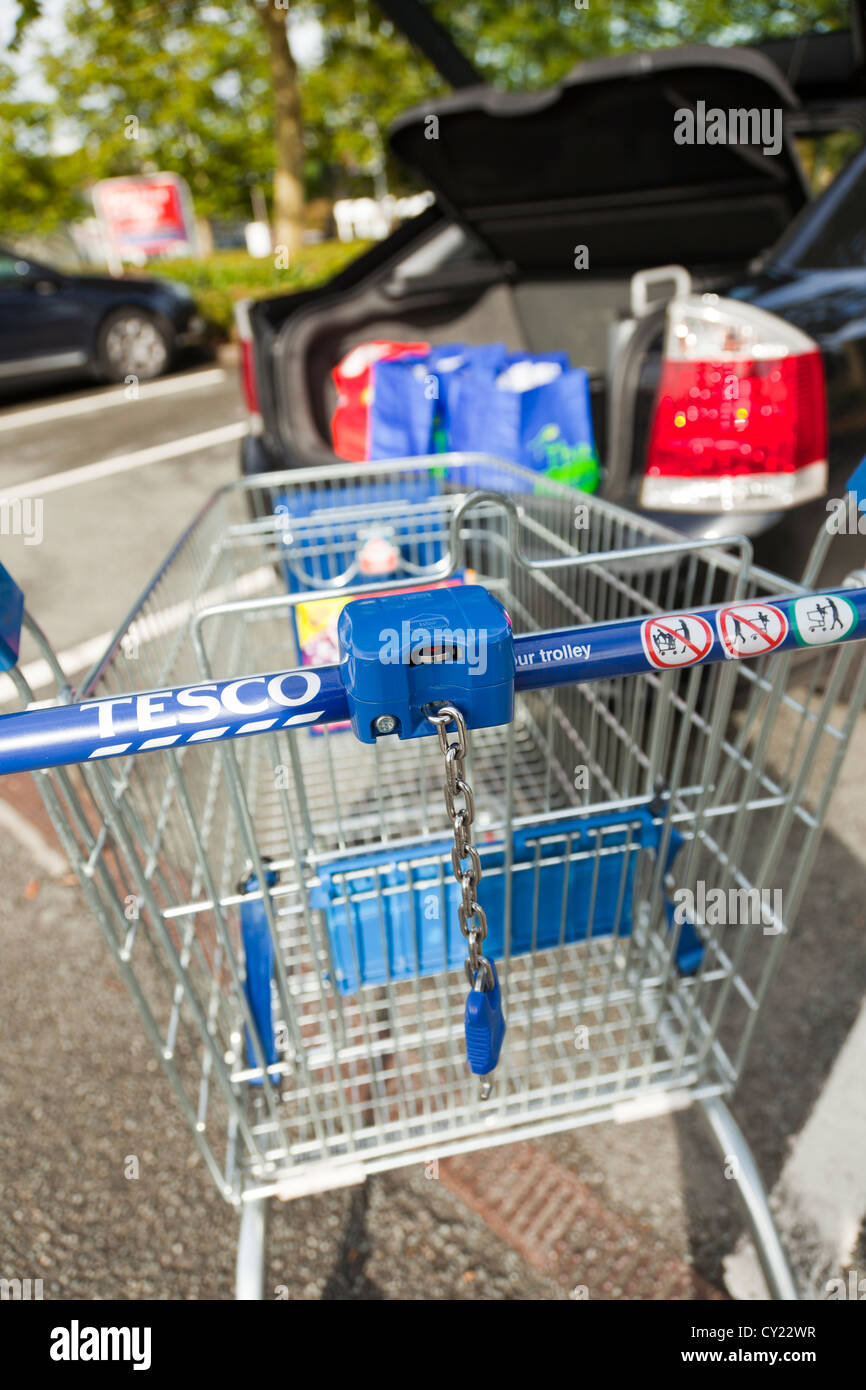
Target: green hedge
x=220 y=280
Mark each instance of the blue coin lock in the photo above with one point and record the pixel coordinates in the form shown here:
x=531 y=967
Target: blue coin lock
x=403 y=653
x=484 y=1024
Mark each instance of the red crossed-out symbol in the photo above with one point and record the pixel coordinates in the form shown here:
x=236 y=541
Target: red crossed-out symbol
x=678 y=639
x=751 y=629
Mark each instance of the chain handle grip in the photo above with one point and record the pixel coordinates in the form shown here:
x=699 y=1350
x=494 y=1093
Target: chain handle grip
x=484 y=1023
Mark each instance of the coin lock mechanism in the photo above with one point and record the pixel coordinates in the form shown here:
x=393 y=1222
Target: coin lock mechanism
x=404 y=655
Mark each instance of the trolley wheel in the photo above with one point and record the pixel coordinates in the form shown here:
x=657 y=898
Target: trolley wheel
x=771 y=1252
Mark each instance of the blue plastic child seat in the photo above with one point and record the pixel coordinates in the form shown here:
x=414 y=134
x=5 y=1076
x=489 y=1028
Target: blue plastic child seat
x=388 y=920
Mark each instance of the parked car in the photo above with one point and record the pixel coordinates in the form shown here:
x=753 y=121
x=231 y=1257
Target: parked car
x=56 y=324
x=722 y=317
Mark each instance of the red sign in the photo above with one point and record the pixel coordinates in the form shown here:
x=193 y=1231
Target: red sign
x=676 y=640
x=147 y=215
x=751 y=629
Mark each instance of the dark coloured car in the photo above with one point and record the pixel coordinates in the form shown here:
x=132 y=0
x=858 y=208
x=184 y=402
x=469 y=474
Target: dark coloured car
x=54 y=324
x=721 y=316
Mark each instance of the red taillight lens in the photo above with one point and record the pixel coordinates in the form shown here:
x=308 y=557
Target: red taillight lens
x=248 y=361
x=248 y=378
x=733 y=430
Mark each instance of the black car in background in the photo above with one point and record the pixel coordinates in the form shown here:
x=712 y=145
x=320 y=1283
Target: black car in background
x=54 y=324
x=722 y=318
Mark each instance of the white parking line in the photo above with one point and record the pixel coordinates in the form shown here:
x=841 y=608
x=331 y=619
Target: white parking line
x=38 y=673
x=820 y=1197
x=123 y=463
x=19 y=828
x=113 y=395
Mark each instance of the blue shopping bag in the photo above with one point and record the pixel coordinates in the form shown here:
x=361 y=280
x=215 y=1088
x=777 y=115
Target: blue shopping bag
x=453 y=372
x=518 y=415
x=322 y=529
x=402 y=409
x=414 y=397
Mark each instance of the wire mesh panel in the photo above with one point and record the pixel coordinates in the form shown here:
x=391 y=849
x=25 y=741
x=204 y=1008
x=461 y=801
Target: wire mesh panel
x=614 y=819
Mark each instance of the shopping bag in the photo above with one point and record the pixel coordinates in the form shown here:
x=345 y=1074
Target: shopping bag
x=353 y=379
x=472 y=398
x=413 y=397
x=536 y=412
x=484 y=361
x=402 y=408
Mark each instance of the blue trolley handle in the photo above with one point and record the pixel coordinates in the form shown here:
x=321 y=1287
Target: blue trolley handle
x=213 y=711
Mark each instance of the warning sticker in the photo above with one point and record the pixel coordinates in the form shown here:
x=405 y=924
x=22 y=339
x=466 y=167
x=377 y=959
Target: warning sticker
x=822 y=618
x=751 y=629
x=678 y=639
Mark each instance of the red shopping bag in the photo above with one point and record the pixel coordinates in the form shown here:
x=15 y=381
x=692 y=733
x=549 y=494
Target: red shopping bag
x=353 y=378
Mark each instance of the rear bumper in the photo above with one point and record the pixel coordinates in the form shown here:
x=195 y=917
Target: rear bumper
x=739 y=493
x=714 y=526
x=260 y=453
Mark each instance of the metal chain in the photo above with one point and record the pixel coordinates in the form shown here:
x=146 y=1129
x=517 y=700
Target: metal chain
x=473 y=922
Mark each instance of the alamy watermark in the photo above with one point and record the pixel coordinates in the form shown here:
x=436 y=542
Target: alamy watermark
x=77 y=1343
x=20 y=1290
x=853 y=1288
x=844 y=517
x=415 y=645
x=732 y=907
x=22 y=516
x=737 y=126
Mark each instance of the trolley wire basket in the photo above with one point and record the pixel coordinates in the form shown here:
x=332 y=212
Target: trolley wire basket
x=283 y=907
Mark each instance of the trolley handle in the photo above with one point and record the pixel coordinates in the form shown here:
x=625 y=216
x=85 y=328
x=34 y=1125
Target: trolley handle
x=11 y=617
x=217 y=711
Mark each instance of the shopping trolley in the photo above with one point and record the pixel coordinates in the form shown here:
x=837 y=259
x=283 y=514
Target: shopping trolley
x=339 y=973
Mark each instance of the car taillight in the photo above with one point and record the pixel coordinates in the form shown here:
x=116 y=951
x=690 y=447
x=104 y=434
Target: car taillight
x=740 y=419
x=248 y=379
x=248 y=362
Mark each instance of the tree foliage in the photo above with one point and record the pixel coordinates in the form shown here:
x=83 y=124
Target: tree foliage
x=194 y=76
x=368 y=74
x=185 y=85
x=39 y=187
x=146 y=86
x=530 y=43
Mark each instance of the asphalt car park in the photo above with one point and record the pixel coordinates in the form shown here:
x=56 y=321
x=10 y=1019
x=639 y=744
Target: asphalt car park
x=119 y=478
x=121 y=474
